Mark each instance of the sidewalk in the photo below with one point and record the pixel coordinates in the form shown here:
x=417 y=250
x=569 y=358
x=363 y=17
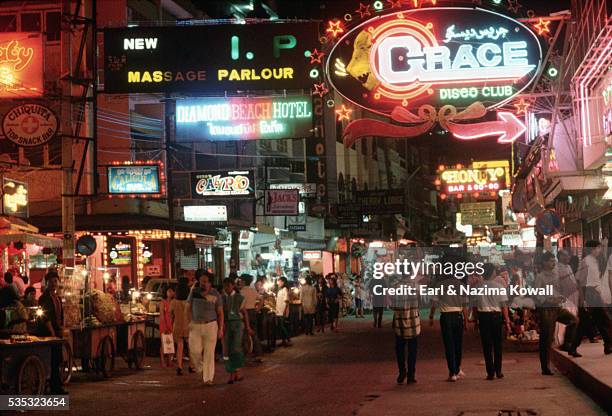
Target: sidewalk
x=523 y=391
x=592 y=373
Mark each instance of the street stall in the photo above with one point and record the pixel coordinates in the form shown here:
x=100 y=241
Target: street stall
x=26 y=361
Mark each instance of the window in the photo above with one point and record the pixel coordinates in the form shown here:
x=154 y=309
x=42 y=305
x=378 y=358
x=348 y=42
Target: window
x=31 y=22
x=8 y=23
x=53 y=26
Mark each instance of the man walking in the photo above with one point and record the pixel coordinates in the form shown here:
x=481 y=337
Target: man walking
x=549 y=308
x=492 y=313
x=251 y=300
x=204 y=310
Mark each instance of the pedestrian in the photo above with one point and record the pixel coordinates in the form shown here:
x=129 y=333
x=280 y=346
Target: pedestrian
x=407 y=327
x=359 y=296
x=251 y=301
x=492 y=311
x=549 y=308
x=205 y=312
x=569 y=290
x=321 y=304
x=308 y=297
x=165 y=324
x=378 y=302
x=19 y=284
x=453 y=320
x=51 y=324
x=52 y=320
x=333 y=296
x=590 y=281
x=29 y=297
x=5 y=295
x=236 y=321
x=282 y=311
x=180 y=325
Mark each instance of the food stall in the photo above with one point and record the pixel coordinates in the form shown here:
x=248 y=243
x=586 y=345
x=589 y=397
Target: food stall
x=26 y=361
x=99 y=330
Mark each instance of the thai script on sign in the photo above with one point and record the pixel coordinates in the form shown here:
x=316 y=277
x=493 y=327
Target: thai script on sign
x=13 y=53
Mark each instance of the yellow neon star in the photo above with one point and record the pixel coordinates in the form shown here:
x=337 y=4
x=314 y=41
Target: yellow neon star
x=542 y=26
x=335 y=28
x=344 y=113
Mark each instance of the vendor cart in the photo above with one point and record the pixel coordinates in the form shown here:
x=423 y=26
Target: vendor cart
x=98 y=346
x=25 y=364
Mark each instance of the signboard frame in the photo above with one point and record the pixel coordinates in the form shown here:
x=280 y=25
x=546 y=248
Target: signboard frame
x=223 y=178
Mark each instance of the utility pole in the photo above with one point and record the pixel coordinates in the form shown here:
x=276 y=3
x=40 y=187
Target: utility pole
x=170 y=135
x=68 y=222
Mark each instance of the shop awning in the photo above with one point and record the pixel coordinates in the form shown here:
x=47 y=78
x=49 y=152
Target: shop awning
x=120 y=222
x=16 y=230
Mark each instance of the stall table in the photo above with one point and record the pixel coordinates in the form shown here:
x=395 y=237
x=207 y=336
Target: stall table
x=25 y=366
x=99 y=345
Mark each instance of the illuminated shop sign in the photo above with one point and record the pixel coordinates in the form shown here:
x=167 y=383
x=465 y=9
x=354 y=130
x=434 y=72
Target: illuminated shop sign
x=209 y=58
x=436 y=56
x=21 y=65
x=478 y=213
x=205 y=213
x=14 y=198
x=458 y=181
x=132 y=178
x=119 y=251
x=210 y=184
x=243 y=118
x=281 y=202
x=305 y=189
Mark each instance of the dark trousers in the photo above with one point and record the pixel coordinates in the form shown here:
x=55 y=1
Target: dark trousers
x=589 y=317
x=255 y=323
x=321 y=316
x=378 y=315
x=491 y=335
x=56 y=360
x=281 y=329
x=269 y=328
x=308 y=323
x=548 y=317
x=451 y=325
x=406 y=363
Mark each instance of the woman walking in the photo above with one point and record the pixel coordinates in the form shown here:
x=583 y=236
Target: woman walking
x=180 y=325
x=165 y=324
x=407 y=327
x=333 y=296
x=282 y=310
x=235 y=316
x=321 y=304
x=308 y=297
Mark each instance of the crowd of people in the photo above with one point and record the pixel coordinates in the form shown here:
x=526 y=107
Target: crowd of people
x=242 y=314
x=580 y=300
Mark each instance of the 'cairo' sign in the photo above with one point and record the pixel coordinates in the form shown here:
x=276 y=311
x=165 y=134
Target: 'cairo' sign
x=437 y=56
x=30 y=125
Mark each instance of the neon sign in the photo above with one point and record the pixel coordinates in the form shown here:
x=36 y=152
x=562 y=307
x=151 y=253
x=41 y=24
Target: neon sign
x=223 y=184
x=21 y=69
x=14 y=198
x=209 y=58
x=131 y=179
x=434 y=56
x=243 y=118
x=471 y=181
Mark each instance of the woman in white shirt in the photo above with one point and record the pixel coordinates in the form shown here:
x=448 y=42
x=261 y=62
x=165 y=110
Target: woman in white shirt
x=282 y=310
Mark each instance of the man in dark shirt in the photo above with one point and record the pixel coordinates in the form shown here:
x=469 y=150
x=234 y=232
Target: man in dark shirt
x=52 y=319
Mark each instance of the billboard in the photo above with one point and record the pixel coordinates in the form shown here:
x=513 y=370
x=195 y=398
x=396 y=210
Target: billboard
x=215 y=184
x=473 y=181
x=281 y=202
x=205 y=213
x=261 y=56
x=21 y=64
x=134 y=179
x=478 y=213
x=434 y=56
x=243 y=118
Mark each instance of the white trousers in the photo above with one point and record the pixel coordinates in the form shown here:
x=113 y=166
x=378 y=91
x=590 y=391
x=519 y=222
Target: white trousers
x=202 y=342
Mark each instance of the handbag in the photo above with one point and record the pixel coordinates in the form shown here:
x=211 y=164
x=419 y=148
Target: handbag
x=167 y=343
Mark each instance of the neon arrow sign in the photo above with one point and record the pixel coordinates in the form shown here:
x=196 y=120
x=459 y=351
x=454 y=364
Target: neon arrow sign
x=508 y=127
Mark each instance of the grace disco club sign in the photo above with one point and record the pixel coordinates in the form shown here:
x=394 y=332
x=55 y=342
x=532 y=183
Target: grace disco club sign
x=437 y=56
x=243 y=118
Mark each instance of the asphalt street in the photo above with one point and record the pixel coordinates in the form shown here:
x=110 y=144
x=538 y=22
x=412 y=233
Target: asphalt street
x=351 y=372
